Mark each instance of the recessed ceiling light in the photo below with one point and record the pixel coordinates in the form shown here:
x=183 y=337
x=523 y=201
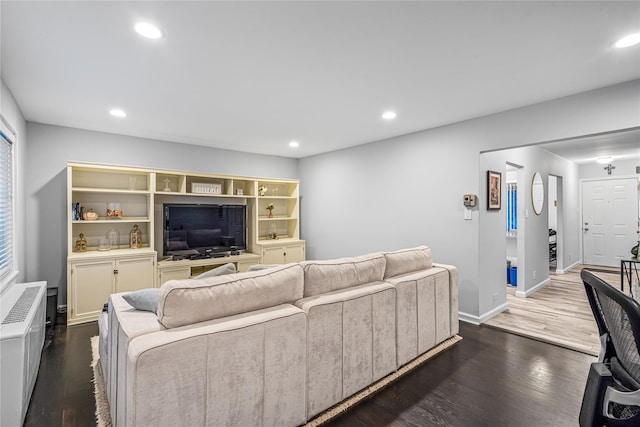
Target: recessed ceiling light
x=147 y=30
x=630 y=40
x=605 y=159
x=294 y=144
x=389 y=115
x=117 y=113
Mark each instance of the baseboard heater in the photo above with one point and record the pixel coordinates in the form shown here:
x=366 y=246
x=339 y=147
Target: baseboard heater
x=22 y=330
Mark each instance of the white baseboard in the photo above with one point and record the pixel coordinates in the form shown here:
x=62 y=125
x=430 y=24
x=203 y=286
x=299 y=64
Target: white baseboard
x=565 y=270
x=477 y=320
x=533 y=290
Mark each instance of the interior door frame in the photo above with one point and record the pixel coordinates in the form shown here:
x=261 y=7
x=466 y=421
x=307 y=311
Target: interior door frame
x=581 y=206
x=560 y=267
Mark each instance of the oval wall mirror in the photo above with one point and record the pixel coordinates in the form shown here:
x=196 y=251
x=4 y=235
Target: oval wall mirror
x=537 y=193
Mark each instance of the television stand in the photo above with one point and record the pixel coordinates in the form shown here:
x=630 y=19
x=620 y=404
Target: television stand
x=187 y=268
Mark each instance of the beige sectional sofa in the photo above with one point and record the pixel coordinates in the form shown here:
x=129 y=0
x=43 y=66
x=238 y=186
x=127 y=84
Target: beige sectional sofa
x=274 y=347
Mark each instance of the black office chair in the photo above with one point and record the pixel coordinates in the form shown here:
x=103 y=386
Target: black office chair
x=612 y=394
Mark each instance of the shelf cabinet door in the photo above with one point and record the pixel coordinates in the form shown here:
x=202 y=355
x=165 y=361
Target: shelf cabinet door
x=91 y=285
x=283 y=254
x=166 y=274
x=294 y=253
x=134 y=273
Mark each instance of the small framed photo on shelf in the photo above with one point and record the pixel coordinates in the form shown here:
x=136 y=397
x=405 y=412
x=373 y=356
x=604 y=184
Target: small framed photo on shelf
x=206 y=188
x=494 y=190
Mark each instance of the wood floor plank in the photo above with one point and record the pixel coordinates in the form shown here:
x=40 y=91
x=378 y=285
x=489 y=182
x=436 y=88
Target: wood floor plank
x=559 y=313
x=490 y=378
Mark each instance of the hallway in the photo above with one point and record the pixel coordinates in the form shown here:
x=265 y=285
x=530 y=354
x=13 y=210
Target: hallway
x=559 y=313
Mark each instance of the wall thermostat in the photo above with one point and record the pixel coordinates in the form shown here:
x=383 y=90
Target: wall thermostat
x=470 y=200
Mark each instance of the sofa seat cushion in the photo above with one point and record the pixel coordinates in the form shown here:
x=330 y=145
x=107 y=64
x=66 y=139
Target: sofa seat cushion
x=407 y=260
x=327 y=276
x=183 y=302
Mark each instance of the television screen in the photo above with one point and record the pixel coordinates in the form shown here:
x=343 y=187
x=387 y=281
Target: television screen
x=192 y=230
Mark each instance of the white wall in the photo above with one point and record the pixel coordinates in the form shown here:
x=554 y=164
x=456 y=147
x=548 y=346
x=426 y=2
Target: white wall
x=49 y=149
x=12 y=114
x=624 y=168
x=408 y=190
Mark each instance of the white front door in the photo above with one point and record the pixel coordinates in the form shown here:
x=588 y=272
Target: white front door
x=609 y=220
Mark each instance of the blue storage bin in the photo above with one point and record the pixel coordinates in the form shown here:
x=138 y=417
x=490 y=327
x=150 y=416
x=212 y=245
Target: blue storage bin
x=513 y=276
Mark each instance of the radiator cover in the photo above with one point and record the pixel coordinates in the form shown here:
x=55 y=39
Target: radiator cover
x=22 y=330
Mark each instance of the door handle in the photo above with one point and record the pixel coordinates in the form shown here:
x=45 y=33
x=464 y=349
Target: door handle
x=586 y=229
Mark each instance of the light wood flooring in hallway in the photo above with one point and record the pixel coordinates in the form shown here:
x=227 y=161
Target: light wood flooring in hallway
x=559 y=313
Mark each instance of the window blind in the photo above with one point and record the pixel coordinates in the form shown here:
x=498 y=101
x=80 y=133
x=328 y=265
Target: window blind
x=512 y=206
x=6 y=205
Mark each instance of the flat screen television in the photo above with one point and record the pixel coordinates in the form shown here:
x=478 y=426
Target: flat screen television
x=194 y=230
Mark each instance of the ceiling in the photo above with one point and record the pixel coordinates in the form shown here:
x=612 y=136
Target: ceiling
x=252 y=76
x=623 y=145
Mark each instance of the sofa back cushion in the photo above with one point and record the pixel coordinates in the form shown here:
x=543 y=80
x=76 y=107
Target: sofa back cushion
x=183 y=302
x=326 y=276
x=407 y=260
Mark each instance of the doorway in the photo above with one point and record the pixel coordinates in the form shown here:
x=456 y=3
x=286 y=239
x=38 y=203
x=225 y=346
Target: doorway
x=556 y=224
x=609 y=220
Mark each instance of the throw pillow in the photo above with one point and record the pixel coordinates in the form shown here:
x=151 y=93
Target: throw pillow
x=229 y=268
x=258 y=267
x=144 y=299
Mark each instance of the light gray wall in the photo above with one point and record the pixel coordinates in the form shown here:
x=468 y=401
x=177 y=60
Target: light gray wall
x=12 y=114
x=533 y=229
x=49 y=149
x=408 y=190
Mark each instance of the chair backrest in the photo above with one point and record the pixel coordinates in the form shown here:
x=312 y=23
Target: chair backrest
x=617 y=316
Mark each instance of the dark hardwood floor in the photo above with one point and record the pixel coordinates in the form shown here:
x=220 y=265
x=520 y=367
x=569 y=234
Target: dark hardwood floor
x=490 y=378
x=63 y=394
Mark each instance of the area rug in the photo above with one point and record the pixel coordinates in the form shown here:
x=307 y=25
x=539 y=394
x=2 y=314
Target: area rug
x=103 y=418
x=103 y=415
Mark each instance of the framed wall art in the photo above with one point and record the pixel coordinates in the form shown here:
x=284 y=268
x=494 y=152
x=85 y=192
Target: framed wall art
x=494 y=190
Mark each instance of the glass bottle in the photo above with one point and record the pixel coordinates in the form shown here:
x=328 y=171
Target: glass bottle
x=113 y=236
x=135 y=237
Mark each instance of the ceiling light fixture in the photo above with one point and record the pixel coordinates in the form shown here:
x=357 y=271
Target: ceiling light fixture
x=117 y=113
x=604 y=160
x=147 y=30
x=294 y=144
x=630 y=40
x=389 y=115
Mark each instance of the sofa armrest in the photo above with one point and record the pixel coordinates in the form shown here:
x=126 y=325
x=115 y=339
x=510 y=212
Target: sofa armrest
x=125 y=323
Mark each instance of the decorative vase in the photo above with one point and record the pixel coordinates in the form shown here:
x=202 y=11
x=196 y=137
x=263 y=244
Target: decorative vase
x=270 y=213
x=114 y=211
x=114 y=238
